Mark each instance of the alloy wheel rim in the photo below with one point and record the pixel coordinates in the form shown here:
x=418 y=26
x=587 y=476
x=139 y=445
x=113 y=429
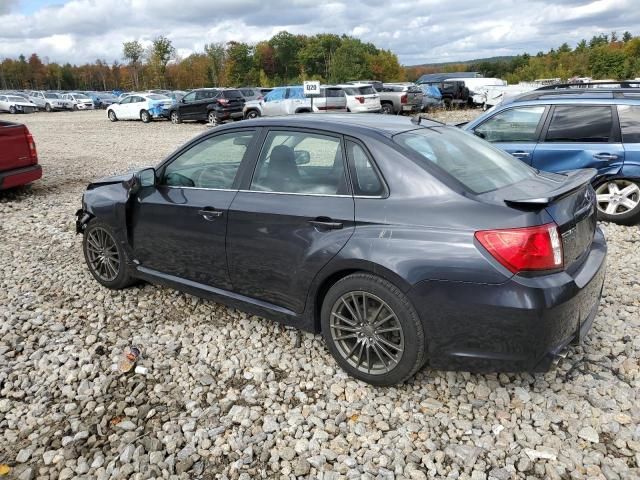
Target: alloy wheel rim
x=367 y=332
x=174 y=117
x=102 y=254
x=617 y=197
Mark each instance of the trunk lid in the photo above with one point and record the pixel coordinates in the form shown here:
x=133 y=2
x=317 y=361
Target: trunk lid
x=414 y=96
x=568 y=198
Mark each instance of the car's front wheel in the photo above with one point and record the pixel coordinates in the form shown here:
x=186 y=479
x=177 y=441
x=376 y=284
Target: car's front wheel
x=47 y=107
x=112 y=116
x=211 y=118
x=175 y=117
x=252 y=114
x=372 y=330
x=105 y=256
x=619 y=201
x=145 y=116
x=12 y=109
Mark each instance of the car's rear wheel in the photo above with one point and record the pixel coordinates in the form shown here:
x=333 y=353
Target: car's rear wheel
x=619 y=201
x=145 y=116
x=112 y=116
x=387 y=109
x=252 y=114
x=372 y=330
x=175 y=117
x=105 y=257
x=12 y=109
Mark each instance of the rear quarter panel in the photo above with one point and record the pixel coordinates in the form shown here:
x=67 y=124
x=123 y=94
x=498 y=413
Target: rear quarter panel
x=14 y=150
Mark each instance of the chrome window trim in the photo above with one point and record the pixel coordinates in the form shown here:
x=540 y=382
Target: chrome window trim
x=296 y=193
x=199 y=188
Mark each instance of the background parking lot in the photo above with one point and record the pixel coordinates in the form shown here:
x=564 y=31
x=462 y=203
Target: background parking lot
x=229 y=395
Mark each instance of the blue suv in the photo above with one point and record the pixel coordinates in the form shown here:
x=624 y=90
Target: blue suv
x=571 y=128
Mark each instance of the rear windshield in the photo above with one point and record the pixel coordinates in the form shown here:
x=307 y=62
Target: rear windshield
x=232 y=94
x=156 y=96
x=366 y=90
x=473 y=162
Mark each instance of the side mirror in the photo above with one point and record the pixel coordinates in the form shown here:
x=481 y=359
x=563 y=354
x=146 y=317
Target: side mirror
x=147 y=177
x=302 y=157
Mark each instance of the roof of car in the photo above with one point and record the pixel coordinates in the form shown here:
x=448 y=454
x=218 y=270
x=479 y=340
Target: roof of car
x=344 y=122
x=577 y=94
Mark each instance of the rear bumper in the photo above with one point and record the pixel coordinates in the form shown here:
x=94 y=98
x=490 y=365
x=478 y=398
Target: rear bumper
x=20 y=176
x=228 y=114
x=523 y=324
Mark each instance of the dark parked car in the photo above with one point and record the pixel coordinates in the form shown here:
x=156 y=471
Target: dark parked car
x=213 y=105
x=453 y=92
x=18 y=156
x=566 y=128
x=400 y=242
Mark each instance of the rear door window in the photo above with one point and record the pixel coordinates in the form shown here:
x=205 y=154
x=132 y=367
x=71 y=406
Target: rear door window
x=277 y=94
x=300 y=162
x=629 y=123
x=365 y=178
x=580 y=124
x=519 y=124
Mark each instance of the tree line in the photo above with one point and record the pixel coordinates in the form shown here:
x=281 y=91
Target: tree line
x=283 y=59
x=602 y=57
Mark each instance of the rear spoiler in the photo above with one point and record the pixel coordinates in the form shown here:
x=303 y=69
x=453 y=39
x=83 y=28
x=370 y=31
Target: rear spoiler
x=575 y=180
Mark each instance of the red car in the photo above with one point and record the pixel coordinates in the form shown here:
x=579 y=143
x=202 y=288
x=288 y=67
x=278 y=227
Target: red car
x=18 y=156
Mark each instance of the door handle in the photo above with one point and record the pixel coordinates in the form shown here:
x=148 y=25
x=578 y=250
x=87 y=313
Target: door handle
x=605 y=156
x=326 y=223
x=521 y=154
x=210 y=214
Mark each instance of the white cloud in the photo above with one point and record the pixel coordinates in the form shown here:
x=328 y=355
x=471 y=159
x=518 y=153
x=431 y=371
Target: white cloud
x=418 y=31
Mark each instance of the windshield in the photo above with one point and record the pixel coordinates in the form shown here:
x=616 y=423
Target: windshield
x=155 y=96
x=16 y=99
x=473 y=162
x=107 y=96
x=80 y=95
x=51 y=95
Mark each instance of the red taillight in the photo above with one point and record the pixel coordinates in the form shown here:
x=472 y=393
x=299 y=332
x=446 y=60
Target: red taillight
x=522 y=249
x=223 y=101
x=360 y=99
x=404 y=98
x=33 y=153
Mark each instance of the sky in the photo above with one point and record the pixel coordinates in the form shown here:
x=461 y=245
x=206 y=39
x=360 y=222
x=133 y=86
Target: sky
x=418 y=31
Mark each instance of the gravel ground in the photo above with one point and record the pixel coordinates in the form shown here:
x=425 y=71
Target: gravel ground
x=228 y=395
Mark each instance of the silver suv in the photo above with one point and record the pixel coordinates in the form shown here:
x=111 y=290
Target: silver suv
x=291 y=100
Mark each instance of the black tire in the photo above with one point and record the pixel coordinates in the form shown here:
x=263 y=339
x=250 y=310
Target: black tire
x=123 y=277
x=252 y=114
x=12 y=109
x=47 y=107
x=145 y=116
x=387 y=109
x=112 y=116
x=75 y=107
x=628 y=217
x=174 y=116
x=414 y=351
x=304 y=110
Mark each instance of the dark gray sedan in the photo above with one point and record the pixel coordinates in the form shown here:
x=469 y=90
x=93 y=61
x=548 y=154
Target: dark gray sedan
x=402 y=243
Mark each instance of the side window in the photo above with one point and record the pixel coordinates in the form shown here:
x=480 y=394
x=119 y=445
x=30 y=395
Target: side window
x=189 y=97
x=297 y=162
x=277 y=94
x=126 y=100
x=629 y=123
x=295 y=93
x=212 y=163
x=203 y=94
x=517 y=124
x=365 y=178
x=589 y=124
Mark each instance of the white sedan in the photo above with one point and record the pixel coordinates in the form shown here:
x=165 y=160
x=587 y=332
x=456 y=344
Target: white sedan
x=140 y=106
x=16 y=104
